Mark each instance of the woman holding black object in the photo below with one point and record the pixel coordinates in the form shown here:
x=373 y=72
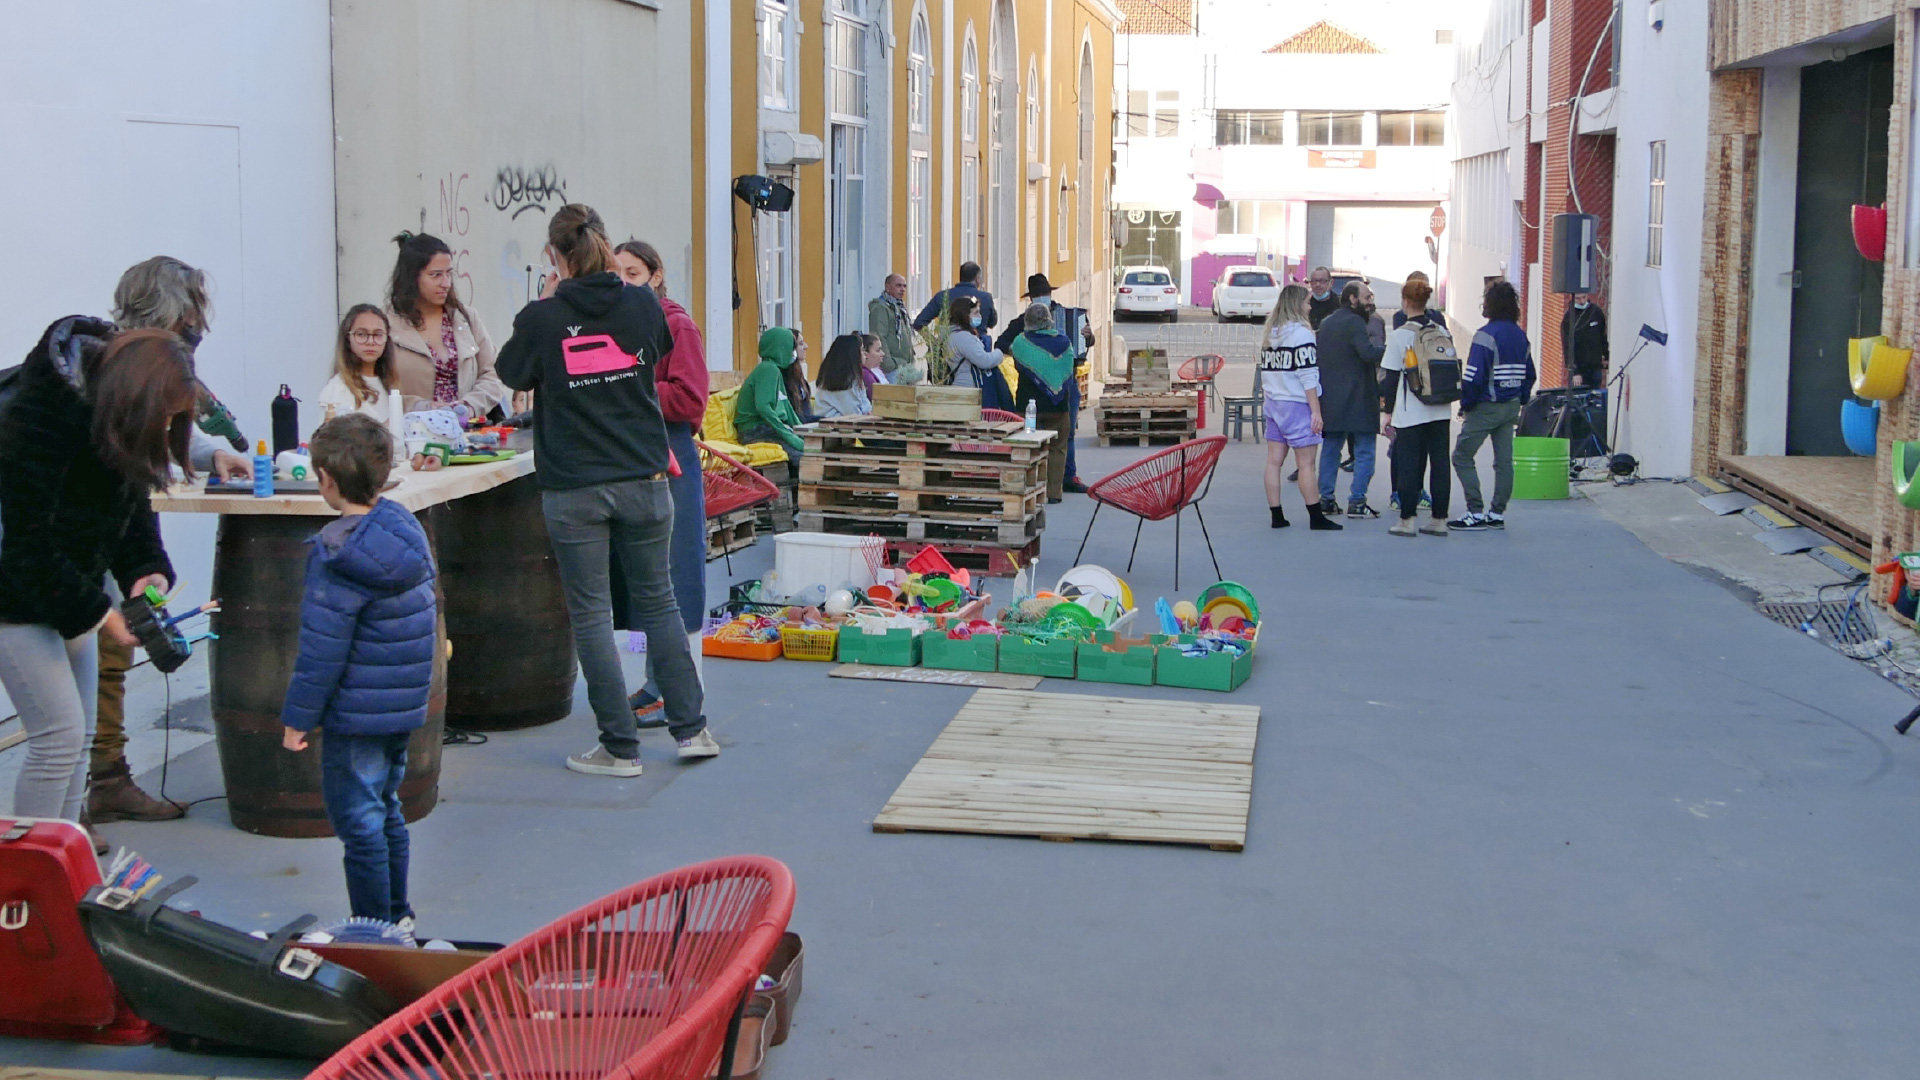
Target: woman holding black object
x=590 y=349
x=93 y=430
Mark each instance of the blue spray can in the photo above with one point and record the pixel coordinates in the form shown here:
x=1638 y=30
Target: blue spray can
x=262 y=471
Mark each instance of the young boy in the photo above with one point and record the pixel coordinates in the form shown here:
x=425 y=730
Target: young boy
x=366 y=659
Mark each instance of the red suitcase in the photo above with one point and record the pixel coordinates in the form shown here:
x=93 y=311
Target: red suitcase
x=51 y=983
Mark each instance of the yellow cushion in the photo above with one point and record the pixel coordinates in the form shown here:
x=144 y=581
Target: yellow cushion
x=718 y=425
x=764 y=453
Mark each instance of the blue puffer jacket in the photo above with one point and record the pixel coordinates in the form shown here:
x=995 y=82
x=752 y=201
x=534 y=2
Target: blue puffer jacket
x=366 y=627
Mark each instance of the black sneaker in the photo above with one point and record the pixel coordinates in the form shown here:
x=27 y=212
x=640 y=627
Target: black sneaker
x=1467 y=522
x=1493 y=521
x=1329 y=507
x=1361 y=510
x=1073 y=486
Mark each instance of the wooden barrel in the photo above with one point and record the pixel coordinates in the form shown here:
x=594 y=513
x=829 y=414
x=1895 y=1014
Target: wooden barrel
x=259 y=573
x=513 y=663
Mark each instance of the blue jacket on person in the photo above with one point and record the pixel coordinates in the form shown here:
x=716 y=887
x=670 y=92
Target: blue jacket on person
x=366 y=627
x=1499 y=366
x=989 y=318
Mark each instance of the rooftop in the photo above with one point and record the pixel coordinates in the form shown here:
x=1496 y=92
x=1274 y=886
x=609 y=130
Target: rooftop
x=1324 y=37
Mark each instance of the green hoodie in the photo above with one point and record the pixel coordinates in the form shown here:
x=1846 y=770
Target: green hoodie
x=763 y=400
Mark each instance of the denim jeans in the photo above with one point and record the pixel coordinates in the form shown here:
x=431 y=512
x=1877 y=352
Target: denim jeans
x=52 y=682
x=1362 y=464
x=360 y=781
x=633 y=521
x=1495 y=420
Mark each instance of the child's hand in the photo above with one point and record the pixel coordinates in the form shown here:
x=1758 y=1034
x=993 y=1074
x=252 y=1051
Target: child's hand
x=293 y=739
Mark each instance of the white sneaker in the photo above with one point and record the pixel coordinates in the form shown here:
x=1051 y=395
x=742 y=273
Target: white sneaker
x=598 y=762
x=700 y=745
x=1402 y=527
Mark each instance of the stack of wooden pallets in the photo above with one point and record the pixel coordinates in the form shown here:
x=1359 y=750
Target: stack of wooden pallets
x=731 y=532
x=1139 y=419
x=975 y=487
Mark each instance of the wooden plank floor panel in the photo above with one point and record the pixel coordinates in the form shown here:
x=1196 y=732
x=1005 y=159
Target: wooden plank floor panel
x=1071 y=766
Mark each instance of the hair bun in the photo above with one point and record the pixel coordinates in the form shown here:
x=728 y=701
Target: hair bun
x=404 y=238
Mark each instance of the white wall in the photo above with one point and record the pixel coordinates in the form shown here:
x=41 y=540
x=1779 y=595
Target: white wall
x=1664 y=96
x=200 y=129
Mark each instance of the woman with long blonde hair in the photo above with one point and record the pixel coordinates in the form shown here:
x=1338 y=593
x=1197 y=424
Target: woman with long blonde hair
x=1290 y=382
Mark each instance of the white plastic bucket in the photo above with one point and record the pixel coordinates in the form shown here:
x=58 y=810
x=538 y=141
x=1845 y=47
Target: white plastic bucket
x=822 y=562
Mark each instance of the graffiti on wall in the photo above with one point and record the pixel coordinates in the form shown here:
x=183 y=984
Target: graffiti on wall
x=455 y=219
x=520 y=190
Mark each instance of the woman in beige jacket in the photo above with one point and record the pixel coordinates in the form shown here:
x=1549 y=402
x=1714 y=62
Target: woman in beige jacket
x=442 y=356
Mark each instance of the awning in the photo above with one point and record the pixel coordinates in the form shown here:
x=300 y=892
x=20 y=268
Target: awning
x=1207 y=194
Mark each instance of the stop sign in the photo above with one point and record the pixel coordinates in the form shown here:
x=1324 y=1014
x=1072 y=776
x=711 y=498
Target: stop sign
x=1438 y=221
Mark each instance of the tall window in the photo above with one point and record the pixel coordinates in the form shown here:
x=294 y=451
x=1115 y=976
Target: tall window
x=1330 y=129
x=970 y=208
x=776 y=268
x=776 y=51
x=1656 y=199
x=1249 y=127
x=1166 y=113
x=1033 y=109
x=919 y=226
x=1413 y=129
x=1139 y=114
x=970 y=94
x=919 y=78
x=847 y=199
x=1063 y=223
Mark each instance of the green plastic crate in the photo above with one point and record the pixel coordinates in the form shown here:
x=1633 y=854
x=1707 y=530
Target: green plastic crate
x=980 y=652
x=899 y=647
x=1024 y=656
x=1132 y=666
x=1215 y=671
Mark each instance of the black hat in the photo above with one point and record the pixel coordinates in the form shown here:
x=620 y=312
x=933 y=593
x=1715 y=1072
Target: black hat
x=1038 y=285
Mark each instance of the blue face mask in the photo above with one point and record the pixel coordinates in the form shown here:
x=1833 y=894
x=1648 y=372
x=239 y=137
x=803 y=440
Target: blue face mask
x=974 y=321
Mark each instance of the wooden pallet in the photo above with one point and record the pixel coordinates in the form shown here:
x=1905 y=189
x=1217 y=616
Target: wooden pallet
x=902 y=474
x=1154 y=439
x=878 y=438
x=989 y=559
x=731 y=532
x=776 y=514
x=934 y=530
x=933 y=505
x=1834 y=495
x=1077 y=766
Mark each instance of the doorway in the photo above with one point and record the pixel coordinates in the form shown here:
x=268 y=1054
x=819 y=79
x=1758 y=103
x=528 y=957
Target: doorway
x=1845 y=106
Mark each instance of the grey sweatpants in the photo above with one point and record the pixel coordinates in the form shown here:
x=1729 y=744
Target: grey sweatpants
x=54 y=684
x=1495 y=420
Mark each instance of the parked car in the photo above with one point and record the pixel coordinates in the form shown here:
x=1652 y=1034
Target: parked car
x=1244 y=291
x=1147 y=290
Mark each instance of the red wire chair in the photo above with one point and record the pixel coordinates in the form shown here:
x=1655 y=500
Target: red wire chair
x=646 y=984
x=1161 y=486
x=730 y=485
x=1202 y=369
x=1002 y=416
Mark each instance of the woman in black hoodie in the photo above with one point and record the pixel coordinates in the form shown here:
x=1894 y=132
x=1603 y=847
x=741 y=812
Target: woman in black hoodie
x=589 y=347
x=92 y=430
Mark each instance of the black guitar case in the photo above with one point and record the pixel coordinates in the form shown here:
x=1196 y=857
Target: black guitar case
x=209 y=982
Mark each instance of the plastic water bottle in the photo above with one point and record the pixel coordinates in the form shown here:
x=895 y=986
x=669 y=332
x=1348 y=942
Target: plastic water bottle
x=1033 y=415
x=262 y=471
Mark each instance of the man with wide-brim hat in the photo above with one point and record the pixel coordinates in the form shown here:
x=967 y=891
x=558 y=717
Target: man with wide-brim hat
x=1072 y=324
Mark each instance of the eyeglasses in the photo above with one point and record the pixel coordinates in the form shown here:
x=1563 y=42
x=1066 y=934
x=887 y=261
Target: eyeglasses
x=368 y=337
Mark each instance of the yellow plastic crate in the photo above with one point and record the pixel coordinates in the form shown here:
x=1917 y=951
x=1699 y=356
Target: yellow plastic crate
x=809 y=643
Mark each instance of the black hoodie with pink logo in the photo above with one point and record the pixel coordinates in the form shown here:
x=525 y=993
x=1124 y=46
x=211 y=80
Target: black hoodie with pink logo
x=590 y=351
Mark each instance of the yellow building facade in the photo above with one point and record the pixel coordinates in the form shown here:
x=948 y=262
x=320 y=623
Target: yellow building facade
x=915 y=135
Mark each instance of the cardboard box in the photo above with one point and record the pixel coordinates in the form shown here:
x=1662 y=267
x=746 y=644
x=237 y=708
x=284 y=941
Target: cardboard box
x=1110 y=658
x=978 y=653
x=922 y=402
x=898 y=647
x=1024 y=656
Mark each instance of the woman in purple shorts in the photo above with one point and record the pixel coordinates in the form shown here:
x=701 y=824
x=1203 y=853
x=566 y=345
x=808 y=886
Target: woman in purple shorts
x=1290 y=381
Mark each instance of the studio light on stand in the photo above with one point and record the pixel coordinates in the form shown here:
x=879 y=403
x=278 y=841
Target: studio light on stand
x=1621 y=466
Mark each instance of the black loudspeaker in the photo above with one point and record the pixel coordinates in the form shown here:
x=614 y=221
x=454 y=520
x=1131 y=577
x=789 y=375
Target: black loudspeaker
x=1576 y=267
x=779 y=198
x=761 y=193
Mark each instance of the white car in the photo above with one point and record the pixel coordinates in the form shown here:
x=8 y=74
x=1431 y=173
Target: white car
x=1147 y=290
x=1245 y=291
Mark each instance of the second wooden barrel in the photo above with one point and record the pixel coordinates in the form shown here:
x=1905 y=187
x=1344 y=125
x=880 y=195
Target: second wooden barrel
x=513 y=663
x=259 y=574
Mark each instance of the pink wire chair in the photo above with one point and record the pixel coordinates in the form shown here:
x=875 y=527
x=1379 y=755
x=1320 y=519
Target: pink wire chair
x=1002 y=416
x=646 y=984
x=1157 y=487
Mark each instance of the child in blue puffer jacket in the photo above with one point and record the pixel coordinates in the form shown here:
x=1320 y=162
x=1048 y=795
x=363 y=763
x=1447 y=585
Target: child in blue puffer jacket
x=366 y=659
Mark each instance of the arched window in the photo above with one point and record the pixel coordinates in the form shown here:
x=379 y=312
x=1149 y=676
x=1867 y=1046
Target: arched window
x=1033 y=108
x=919 y=78
x=970 y=151
x=847 y=148
x=970 y=93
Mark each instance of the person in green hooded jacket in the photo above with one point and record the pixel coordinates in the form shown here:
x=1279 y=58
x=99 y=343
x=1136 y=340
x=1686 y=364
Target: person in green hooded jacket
x=764 y=412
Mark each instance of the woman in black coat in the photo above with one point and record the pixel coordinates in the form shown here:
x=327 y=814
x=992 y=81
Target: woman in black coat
x=92 y=428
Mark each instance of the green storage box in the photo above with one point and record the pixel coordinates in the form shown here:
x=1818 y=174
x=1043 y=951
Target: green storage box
x=1109 y=658
x=1215 y=671
x=980 y=652
x=1025 y=656
x=899 y=647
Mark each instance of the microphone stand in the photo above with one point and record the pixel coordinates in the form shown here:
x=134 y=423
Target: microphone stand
x=1614 y=443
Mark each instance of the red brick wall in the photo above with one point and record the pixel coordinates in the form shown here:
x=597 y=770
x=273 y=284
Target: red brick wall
x=1577 y=27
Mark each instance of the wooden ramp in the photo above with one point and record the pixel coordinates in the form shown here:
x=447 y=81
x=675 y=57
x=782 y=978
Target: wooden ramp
x=1078 y=767
x=1831 y=494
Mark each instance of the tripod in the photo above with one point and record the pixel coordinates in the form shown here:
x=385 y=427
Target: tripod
x=1613 y=444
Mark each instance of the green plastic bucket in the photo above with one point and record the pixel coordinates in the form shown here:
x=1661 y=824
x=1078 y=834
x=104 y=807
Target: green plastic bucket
x=1540 y=468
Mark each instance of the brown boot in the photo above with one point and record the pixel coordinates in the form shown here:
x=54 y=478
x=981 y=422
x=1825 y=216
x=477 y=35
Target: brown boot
x=113 y=796
x=86 y=822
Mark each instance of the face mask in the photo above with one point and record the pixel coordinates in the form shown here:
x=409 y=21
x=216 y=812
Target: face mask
x=974 y=321
x=1580 y=304
x=1322 y=295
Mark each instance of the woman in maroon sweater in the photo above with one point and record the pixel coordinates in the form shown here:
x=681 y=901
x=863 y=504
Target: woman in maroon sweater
x=681 y=381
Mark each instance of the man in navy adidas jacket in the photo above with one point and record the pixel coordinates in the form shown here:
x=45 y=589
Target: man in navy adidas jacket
x=1498 y=381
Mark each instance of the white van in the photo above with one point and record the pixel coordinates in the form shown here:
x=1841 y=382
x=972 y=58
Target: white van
x=1245 y=292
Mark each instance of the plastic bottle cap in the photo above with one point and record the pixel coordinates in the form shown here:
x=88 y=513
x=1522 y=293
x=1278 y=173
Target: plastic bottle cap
x=262 y=447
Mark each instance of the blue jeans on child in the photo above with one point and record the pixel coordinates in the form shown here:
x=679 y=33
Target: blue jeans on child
x=360 y=781
x=1362 y=464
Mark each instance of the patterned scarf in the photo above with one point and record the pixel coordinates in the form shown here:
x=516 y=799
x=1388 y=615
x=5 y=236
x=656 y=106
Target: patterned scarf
x=446 y=369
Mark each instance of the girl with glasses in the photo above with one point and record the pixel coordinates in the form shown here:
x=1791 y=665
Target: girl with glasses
x=362 y=365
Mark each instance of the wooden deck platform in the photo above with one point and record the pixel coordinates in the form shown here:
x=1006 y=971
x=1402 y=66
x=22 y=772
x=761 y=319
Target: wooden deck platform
x=1831 y=494
x=1075 y=766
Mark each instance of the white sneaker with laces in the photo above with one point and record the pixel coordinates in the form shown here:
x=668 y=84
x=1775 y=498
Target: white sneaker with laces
x=699 y=745
x=598 y=762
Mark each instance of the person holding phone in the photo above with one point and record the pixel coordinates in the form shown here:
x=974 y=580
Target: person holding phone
x=98 y=423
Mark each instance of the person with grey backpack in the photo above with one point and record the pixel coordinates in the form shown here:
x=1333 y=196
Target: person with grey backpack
x=1419 y=382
